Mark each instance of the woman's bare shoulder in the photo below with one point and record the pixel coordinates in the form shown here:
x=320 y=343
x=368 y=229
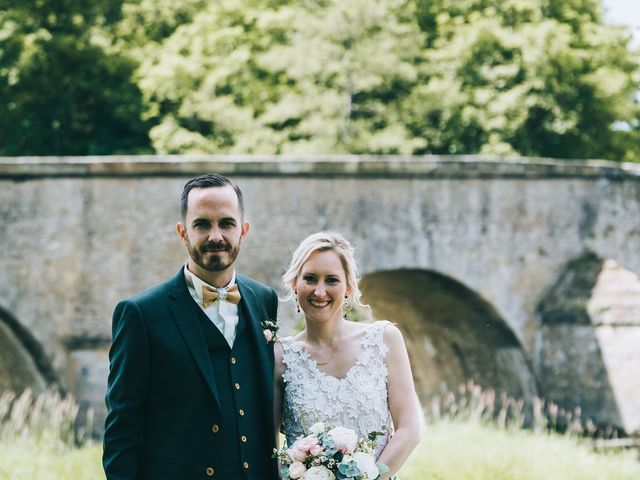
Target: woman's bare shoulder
x=393 y=336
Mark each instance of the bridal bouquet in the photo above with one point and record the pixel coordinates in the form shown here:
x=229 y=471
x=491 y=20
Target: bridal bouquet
x=329 y=454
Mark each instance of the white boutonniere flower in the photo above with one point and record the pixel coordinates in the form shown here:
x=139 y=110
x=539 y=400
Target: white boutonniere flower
x=270 y=330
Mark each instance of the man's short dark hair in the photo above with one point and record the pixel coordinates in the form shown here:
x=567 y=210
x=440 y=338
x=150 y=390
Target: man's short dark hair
x=206 y=181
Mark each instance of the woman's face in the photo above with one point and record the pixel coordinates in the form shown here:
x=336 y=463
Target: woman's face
x=321 y=286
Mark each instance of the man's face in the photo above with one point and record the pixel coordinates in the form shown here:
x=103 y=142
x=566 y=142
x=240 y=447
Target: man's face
x=213 y=229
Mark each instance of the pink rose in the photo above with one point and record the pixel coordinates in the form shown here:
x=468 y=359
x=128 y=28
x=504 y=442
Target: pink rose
x=344 y=439
x=268 y=334
x=316 y=450
x=299 y=451
x=306 y=443
x=297 y=470
x=297 y=455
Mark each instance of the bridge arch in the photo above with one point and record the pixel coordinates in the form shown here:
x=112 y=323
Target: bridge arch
x=452 y=333
x=23 y=363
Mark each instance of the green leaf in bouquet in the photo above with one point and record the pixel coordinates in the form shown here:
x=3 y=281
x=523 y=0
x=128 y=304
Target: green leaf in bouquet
x=336 y=454
x=382 y=468
x=329 y=445
x=349 y=469
x=373 y=435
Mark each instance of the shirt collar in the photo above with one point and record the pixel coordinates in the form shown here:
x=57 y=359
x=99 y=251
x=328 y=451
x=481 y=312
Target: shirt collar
x=197 y=283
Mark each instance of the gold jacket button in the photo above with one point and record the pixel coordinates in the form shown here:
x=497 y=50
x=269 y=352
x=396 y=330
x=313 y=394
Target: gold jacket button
x=215 y=428
x=209 y=471
x=243 y=438
x=241 y=412
x=237 y=385
x=233 y=360
x=245 y=465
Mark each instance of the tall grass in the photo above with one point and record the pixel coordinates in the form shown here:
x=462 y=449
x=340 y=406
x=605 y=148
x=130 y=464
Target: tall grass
x=471 y=450
x=476 y=434
x=472 y=403
x=41 y=437
x=48 y=416
x=472 y=435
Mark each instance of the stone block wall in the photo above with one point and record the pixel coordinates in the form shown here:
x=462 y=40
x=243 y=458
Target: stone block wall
x=78 y=234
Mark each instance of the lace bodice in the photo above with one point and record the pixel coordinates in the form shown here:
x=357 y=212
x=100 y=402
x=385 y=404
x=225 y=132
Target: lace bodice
x=357 y=401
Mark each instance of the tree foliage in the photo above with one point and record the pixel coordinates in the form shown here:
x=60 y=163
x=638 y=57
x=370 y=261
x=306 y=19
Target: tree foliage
x=527 y=77
x=523 y=77
x=516 y=77
x=63 y=94
x=284 y=77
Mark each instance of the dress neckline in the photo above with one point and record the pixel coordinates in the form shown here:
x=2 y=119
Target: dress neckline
x=313 y=364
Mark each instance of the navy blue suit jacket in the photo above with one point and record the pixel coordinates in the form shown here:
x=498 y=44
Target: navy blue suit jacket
x=162 y=397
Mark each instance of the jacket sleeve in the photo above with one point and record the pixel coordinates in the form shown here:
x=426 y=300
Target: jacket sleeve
x=274 y=305
x=126 y=394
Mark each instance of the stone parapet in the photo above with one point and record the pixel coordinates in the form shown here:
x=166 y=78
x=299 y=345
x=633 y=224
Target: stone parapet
x=382 y=166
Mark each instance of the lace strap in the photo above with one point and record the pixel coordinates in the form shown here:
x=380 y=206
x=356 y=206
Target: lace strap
x=373 y=347
x=292 y=352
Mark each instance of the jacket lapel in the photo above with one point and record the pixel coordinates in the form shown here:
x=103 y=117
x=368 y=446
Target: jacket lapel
x=254 y=314
x=185 y=313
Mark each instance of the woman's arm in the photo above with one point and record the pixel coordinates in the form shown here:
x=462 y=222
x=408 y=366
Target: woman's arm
x=403 y=403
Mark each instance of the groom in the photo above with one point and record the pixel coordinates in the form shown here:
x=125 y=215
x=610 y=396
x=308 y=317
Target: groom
x=190 y=391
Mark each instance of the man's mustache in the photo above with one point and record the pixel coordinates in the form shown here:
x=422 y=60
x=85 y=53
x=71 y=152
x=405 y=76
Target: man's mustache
x=215 y=247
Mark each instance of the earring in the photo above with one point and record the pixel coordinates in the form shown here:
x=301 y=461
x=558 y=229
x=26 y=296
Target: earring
x=346 y=301
x=296 y=300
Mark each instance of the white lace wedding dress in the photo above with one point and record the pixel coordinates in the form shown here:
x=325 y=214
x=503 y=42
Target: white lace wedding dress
x=357 y=401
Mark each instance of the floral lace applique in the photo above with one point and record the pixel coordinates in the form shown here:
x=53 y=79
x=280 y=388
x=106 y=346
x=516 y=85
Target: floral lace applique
x=357 y=401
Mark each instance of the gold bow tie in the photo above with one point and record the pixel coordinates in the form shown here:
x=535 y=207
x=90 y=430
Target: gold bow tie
x=209 y=296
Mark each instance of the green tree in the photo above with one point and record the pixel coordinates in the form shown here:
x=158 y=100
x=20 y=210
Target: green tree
x=62 y=92
x=516 y=77
x=521 y=77
x=283 y=77
x=526 y=77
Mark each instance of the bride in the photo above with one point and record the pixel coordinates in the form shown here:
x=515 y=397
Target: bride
x=339 y=372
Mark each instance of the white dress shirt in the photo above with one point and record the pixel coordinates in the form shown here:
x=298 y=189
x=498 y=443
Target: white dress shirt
x=223 y=314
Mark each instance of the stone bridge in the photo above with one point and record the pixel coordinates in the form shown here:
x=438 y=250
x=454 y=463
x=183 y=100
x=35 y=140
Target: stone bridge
x=521 y=274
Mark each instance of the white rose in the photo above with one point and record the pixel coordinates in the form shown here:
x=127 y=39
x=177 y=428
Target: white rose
x=366 y=464
x=319 y=473
x=268 y=334
x=317 y=428
x=344 y=439
x=297 y=469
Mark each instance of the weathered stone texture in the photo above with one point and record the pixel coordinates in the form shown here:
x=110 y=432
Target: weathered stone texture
x=18 y=370
x=587 y=351
x=79 y=234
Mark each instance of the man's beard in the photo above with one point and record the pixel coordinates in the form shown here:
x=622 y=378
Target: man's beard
x=215 y=263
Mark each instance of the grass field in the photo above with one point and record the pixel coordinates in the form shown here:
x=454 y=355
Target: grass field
x=39 y=440
x=448 y=451
x=29 y=459
x=472 y=451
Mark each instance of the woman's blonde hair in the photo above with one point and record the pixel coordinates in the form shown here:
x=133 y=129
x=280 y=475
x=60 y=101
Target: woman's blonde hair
x=320 y=242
